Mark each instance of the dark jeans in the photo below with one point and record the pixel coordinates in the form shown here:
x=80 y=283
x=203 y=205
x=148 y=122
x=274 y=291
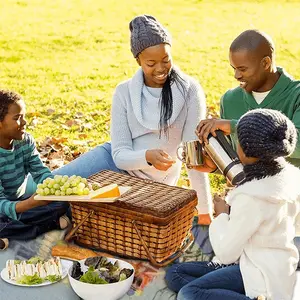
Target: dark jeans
x=33 y=222
x=206 y=281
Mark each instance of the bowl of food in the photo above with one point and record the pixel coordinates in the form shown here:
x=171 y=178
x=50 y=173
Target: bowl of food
x=101 y=277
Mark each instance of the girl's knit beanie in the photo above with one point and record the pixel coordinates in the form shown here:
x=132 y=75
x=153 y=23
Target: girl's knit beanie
x=266 y=134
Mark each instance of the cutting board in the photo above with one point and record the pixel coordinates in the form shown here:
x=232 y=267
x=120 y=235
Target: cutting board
x=85 y=198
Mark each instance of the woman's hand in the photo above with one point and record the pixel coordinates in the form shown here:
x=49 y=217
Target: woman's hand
x=159 y=159
x=208 y=126
x=220 y=206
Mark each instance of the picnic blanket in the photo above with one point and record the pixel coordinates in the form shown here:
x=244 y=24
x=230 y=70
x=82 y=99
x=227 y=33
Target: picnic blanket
x=149 y=282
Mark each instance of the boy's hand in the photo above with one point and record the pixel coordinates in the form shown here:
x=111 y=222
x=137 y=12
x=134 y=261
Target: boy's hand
x=159 y=159
x=37 y=203
x=29 y=204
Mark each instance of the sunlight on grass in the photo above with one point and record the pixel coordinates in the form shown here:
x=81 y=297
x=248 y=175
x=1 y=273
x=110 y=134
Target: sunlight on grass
x=68 y=55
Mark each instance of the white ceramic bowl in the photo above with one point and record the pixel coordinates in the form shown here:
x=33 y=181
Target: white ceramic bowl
x=110 y=291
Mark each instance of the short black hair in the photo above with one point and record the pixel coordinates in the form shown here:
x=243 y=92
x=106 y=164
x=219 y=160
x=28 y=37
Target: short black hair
x=253 y=40
x=6 y=99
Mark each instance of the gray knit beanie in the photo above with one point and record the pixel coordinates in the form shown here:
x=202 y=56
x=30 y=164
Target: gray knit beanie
x=266 y=134
x=146 y=32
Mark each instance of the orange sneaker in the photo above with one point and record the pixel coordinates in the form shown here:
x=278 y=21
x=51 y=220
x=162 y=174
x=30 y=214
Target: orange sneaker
x=204 y=219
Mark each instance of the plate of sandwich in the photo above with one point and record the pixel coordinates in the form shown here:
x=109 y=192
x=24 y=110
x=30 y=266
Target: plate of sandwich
x=35 y=271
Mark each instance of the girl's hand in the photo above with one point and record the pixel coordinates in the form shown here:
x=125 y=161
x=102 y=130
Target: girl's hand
x=159 y=159
x=220 y=206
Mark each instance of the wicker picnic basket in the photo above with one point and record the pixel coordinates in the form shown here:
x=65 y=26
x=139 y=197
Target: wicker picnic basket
x=150 y=221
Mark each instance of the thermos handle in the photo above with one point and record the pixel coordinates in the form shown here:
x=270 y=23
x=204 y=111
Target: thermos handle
x=226 y=145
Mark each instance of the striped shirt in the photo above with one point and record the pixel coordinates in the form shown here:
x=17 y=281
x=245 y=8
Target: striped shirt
x=15 y=165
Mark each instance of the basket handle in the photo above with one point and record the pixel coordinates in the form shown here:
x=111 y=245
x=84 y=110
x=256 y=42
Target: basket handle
x=69 y=236
x=168 y=260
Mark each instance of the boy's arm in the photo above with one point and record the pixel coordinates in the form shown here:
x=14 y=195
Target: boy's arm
x=29 y=203
x=12 y=208
x=36 y=167
x=7 y=207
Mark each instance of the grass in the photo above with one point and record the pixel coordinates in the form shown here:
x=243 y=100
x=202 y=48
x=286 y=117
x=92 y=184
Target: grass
x=68 y=55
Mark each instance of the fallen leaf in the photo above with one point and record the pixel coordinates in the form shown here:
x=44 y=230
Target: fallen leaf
x=82 y=135
x=34 y=122
x=55 y=163
x=79 y=143
x=70 y=123
x=87 y=125
x=50 y=111
x=65 y=127
x=79 y=115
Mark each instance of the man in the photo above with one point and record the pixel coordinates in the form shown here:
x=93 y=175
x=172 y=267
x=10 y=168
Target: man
x=262 y=85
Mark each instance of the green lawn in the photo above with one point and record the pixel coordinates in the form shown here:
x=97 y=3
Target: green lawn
x=68 y=55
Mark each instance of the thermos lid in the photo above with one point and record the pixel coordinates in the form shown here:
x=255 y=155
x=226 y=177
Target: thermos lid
x=239 y=178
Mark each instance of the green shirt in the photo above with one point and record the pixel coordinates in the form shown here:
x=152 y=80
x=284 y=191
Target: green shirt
x=284 y=96
x=15 y=165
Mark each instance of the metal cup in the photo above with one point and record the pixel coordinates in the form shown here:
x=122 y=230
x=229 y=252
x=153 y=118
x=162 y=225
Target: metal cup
x=193 y=153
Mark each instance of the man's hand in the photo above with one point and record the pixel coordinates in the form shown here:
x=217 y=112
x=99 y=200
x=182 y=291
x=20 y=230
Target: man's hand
x=220 y=206
x=159 y=159
x=208 y=126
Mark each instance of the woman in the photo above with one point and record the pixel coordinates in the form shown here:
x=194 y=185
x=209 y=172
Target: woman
x=152 y=114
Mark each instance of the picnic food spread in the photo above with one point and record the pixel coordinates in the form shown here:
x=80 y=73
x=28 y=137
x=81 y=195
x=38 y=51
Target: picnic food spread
x=34 y=271
x=108 y=191
x=100 y=271
x=75 y=185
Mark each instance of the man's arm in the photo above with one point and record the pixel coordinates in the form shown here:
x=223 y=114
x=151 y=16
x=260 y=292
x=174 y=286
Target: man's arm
x=296 y=121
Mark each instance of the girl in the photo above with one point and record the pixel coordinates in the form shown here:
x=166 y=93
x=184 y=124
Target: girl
x=152 y=114
x=259 y=231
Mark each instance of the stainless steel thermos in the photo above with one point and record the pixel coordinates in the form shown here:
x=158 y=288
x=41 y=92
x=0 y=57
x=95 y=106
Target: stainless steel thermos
x=226 y=159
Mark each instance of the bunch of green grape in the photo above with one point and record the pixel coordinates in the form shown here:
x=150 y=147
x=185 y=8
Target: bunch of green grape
x=63 y=186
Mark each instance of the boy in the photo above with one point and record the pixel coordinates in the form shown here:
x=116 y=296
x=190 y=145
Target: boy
x=22 y=217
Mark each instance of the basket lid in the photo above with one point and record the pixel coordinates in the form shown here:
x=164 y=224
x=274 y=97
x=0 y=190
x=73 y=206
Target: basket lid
x=146 y=196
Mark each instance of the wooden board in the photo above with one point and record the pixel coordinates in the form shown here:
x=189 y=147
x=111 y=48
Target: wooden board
x=85 y=198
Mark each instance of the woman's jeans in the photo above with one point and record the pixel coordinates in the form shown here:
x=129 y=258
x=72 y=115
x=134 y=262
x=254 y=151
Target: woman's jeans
x=206 y=281
x=89 y=163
